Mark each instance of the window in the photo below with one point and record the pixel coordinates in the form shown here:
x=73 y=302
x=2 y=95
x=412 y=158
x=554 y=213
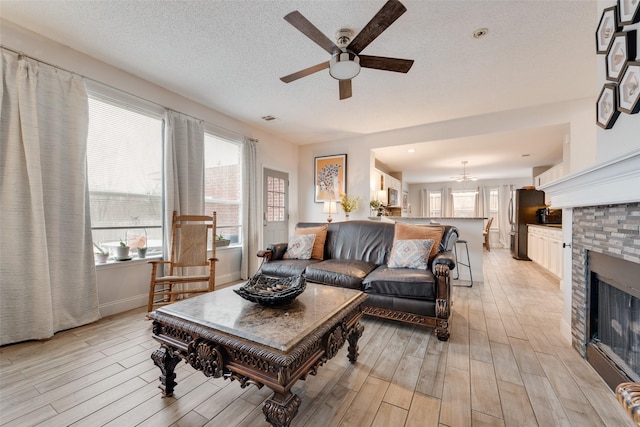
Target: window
x=494 y=206
x=464 y=204
x=124 y=168
x=435 y=204
x=223 y=185
x=275 y=199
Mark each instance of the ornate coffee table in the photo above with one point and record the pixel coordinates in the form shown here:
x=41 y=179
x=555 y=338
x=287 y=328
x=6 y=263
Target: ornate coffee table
x=223 y=335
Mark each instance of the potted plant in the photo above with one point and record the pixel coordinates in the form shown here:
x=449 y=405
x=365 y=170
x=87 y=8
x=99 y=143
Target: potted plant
x=122 y=251
x=101 y=254
x=221 y=241
x=138 y=241
x=348 y=204
x=375 y=206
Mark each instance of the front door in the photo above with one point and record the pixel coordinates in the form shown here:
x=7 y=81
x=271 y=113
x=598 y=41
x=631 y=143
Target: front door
x=276 y=206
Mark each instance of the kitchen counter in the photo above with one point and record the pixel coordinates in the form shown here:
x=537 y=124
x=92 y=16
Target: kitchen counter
x=470 y=229
x=556 y=226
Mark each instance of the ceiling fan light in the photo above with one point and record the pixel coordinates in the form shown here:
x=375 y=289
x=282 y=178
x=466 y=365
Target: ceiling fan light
x=344 y=65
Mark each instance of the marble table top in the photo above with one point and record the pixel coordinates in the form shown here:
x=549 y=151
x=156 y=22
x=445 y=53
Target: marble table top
x=277 y=327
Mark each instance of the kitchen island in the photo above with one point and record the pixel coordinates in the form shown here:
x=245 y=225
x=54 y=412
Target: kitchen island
x=470 y=229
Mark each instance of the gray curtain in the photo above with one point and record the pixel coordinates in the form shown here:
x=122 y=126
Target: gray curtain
x=184 y=177
x=47 y=273
x=183 y=169
x=251 y=195
x=504 y=196
x=447 y=202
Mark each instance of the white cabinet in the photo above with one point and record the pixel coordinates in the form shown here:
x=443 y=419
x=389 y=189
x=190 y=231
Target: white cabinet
x=549 y=175
x=544 y=247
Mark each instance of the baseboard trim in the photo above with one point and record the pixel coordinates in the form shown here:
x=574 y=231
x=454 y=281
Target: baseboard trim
x=122 y=305
x=137 y=301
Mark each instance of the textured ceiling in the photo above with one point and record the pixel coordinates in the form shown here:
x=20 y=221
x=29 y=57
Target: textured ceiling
x=229 y=55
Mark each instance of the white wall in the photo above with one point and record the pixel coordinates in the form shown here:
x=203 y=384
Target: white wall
x=624 y=136
x=360 y=161
x=124 y=286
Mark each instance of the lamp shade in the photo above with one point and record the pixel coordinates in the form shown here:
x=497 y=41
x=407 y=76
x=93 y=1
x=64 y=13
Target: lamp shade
x=382 y=196
x=330 y=207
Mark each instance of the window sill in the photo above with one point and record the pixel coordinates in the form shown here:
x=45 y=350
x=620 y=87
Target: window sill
x=114 y=263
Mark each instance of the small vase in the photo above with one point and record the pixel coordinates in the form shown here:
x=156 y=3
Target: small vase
x=142 y=253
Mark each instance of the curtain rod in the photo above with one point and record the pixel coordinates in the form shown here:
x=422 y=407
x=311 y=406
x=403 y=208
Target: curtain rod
x=22 y=54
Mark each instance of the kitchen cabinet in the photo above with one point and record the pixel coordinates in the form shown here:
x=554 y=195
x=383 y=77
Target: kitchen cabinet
x=544 y=247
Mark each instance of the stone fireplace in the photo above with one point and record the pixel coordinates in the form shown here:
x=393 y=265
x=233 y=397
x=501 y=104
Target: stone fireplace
x=600 y=306
x=605 y=304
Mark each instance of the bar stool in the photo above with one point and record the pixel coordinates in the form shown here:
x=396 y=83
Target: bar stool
x=458 y=263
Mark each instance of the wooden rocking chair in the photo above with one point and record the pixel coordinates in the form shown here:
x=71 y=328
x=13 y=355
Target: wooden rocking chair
x=190 y=235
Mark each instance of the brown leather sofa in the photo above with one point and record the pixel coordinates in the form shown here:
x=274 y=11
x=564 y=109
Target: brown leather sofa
x=356 y=255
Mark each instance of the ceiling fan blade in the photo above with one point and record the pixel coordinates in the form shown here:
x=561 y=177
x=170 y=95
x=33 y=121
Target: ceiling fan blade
x=303 y=73
x=303 y=25
x=345 y=89
x=386 y=16
x=388 y=64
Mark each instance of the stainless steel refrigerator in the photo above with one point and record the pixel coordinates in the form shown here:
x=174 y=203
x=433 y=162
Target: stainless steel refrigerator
x=522 y=211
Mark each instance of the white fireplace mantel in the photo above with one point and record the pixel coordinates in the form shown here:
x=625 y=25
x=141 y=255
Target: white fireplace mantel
x=612 y=182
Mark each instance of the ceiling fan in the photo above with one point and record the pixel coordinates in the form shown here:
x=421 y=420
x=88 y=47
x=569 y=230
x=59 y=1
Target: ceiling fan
x=346 y=60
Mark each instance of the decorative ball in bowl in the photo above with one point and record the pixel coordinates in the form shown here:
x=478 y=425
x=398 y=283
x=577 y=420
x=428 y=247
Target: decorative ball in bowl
x=272 y=291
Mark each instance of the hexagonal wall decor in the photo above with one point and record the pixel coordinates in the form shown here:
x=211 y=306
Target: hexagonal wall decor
x=607 y=27
x=606 y=107
x=623 y=48
x=629 y=89
x=628 y=12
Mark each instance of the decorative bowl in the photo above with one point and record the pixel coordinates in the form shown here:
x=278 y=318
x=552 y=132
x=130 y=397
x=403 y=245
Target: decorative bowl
x=272 y=290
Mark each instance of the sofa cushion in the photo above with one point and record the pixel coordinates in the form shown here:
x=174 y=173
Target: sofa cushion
x=339 y=272
x=286 y=267
x=300 y=246
x=412 y=231
x=410 y=253
x=318 y=245
x=404 y=283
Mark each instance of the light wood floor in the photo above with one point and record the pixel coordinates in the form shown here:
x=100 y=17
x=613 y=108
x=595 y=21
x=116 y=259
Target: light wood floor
x=505 y=364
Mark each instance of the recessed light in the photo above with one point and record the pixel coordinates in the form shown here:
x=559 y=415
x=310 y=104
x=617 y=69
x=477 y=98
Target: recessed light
x=268 y=118
x=526 y=155
x=480 y=33
x=411 y=150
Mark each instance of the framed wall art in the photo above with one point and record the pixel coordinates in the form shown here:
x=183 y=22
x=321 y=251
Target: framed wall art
x=607 y=27
x=628 y=12
x=623 y=48
x=392 y=197
x=330 y=175
x=606 y=107
x=629 y=89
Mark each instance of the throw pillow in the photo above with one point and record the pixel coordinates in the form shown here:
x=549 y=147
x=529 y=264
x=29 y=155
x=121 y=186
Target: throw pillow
x=412 y=231
x=300 y=246
x=318 y=245
x=410 y=253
